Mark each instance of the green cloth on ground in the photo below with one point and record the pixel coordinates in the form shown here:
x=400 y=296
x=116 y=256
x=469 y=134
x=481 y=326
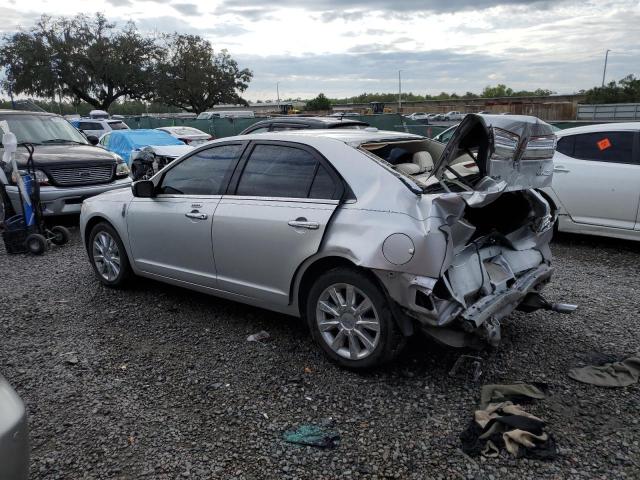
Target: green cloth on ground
x=313 y=435
x=516 y=392
x=618 y=374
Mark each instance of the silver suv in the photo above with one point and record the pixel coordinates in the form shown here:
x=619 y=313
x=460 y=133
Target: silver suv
x=360 y=232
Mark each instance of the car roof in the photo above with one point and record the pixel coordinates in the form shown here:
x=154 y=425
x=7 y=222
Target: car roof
x=601 y=127
x=311 y=121
x=348 y=136
x=26 y=112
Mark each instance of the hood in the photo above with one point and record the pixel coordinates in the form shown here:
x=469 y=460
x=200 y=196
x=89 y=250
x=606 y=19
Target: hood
x=64 y=154
x=117 y=195
x=173 y=151
x=514 y=152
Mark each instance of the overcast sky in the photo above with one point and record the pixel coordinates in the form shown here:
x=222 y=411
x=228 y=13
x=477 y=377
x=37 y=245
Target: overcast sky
x=346 y=47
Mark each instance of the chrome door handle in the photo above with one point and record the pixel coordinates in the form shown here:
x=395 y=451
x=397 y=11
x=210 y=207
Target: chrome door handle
x=304 y=224
x=561 y=169
x=197 y=215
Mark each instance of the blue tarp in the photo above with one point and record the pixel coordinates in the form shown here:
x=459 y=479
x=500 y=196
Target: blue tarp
x=123 y=142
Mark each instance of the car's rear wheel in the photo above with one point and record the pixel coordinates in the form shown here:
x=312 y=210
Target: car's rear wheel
x=350 y=319
x=108 y=256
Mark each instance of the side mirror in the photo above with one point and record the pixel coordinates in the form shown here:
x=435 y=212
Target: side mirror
x=143 y=189
x=93 y=140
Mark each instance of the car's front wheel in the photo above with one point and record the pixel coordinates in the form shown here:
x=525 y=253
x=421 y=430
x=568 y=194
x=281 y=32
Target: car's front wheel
x=108 y=256
x=350 y=319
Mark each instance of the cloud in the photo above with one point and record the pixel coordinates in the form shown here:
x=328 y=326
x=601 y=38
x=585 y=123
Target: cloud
x=350 y=10
x=252 y=14
x=120 y=3
x=341 y=75
x=166 y=24
x=188 y=9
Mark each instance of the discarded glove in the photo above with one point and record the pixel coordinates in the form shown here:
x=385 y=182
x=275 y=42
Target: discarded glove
x=618 y=374
x=518 y=392
x=313 y=435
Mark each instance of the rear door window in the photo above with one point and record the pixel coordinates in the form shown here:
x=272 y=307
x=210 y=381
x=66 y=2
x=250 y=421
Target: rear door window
x=277 y=171
x=614 y=147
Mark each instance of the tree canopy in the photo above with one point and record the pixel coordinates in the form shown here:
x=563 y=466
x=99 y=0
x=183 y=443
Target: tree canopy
x=89 y=59
x=319 y=103
x=626 y=90
x=192 y=77
x=84 y=58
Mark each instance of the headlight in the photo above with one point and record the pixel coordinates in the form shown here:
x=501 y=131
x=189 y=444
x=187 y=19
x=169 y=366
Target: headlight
x=505 y=144
x=122 y=169
x=41 y=177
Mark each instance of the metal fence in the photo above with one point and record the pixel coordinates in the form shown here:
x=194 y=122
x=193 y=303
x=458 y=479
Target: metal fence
x=227 y=127
x=609 y=111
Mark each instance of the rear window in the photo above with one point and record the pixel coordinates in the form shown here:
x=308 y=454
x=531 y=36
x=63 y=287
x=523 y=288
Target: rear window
x=614 y=147
x=118 y=125
x=90 y=126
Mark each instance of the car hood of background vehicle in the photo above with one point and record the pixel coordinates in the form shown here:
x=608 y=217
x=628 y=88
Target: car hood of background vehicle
x=173 y=151
x=64 y=154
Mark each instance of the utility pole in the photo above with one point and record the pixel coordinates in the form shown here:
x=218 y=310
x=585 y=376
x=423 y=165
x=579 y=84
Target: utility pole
x=604 y=71
x=399 y=91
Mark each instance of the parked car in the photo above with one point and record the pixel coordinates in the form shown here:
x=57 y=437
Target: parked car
x=596 y=180
x=278 y=124
x=98 y=127
x=454 y=115
x=419 y=116
x=226 y=114
x=188 y=135
x=445 y=136
x=360 y=232
x=14 y=435
x=145 y=151
x=68 y=168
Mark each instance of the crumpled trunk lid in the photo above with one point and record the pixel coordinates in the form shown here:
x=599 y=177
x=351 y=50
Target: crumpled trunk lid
x=512 y=152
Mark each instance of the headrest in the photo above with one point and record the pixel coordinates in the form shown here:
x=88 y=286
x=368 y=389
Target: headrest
x=423 y=160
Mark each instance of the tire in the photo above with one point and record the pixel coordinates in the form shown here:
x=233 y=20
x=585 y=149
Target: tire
x=60 y=235
x=358 y=342
x=36 y=243
x=108 y=256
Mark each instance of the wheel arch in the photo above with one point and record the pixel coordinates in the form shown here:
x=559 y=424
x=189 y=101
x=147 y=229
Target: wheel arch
x=313 y=268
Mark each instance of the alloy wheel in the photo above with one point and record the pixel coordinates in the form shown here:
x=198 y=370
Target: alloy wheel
x=106 y=256
x=348 y=321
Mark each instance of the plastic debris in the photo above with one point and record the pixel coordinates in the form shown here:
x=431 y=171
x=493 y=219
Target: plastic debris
x=472 y=362
x=259 y=337
x=313 y=435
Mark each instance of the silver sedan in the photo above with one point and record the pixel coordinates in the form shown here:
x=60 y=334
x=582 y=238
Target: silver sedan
x=368 y=235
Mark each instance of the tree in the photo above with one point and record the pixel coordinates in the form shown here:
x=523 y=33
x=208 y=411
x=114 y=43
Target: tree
x=81 y=58
x=626 y=90
x=319 y=103
x=190 y=76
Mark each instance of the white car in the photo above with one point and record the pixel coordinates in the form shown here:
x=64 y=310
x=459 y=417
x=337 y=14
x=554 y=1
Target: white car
x=189 y=135
x=454 y=115
x=596 y=180
x=98 y=127
x=418 y=116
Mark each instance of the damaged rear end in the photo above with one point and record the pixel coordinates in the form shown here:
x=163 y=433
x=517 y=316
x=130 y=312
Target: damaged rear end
x=480 y=201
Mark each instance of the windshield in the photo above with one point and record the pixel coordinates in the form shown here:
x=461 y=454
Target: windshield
x=38 y=129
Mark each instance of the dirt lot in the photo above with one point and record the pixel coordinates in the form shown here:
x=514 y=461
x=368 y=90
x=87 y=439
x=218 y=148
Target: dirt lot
x=158 y=382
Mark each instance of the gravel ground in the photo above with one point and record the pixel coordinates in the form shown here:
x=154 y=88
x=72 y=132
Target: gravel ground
x=160 y=382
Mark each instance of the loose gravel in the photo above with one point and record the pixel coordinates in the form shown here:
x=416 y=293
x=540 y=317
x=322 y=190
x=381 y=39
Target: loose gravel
x=159 y=382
